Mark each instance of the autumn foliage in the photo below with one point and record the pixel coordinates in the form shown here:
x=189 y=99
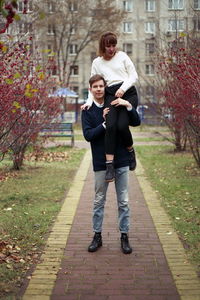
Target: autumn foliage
x=25 y=105
x=180 y=71
x=8 y=9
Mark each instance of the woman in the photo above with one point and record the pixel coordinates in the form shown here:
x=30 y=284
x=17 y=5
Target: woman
x=120 y=75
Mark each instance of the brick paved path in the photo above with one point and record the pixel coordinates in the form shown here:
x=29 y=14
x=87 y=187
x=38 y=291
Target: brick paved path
x=157 y=269
x=108 y=274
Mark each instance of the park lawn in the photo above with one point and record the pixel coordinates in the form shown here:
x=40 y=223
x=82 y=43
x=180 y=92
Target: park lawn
x=29 y=202
x=176 y=178
x=149 y=139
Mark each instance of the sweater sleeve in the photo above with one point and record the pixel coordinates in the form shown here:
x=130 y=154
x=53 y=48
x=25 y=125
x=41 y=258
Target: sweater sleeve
x=132 y=73
x=90 y=133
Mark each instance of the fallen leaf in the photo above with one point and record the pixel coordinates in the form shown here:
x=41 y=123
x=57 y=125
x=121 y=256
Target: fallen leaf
x=8 y=208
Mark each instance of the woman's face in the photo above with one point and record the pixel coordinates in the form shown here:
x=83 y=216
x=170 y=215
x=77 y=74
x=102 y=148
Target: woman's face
x=110 y=51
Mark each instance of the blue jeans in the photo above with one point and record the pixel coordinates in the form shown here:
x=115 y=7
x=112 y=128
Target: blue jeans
x=121 y=187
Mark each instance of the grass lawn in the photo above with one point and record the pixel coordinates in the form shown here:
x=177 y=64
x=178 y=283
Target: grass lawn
x=150 y=128
x=29 y=202
x=176 y=178
x=149 y=139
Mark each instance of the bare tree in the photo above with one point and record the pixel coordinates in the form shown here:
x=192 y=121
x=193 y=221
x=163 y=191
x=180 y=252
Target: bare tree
x=76 y=24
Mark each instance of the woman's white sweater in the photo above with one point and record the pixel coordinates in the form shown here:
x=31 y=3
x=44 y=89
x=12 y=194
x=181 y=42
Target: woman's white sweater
x=118 y=69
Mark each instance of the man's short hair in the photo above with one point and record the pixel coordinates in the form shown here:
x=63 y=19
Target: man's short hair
x=95 y=78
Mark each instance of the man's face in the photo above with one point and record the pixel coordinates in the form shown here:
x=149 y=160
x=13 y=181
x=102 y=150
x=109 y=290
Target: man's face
x=98 y=90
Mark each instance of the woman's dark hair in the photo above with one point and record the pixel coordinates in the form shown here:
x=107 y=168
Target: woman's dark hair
x=106 y=39
x=95 y=78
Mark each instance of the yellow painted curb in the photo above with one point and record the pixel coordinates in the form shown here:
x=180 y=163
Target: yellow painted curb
x=44 y=277
x=185 y=277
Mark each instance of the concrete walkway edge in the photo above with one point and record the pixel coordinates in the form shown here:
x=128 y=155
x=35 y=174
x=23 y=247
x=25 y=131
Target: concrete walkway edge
x=184 y=274
x=43 y=279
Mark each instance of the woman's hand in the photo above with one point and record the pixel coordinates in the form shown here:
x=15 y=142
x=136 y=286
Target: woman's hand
x=121 y=102
x=105 y=112
x=85 y=106
x=119 y=93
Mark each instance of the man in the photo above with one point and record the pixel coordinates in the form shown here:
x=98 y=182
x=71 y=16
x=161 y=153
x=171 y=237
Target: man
x=94 y=126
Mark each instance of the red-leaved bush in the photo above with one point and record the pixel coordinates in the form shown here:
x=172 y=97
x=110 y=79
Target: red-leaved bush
x=180 y=69
x=8 y=9
x=25 y=105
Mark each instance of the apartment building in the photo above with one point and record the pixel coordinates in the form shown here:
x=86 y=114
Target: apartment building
x=148 y=25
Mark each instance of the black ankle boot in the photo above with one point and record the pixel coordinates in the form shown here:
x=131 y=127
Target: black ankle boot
x=126 y=248
x=110 y=172
x=96 y=242
x=132 y=163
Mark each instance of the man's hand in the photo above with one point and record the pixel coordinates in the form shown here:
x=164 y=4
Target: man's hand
x=105 y=112
x=85 y=106
x=119 y=93
x=121 y=102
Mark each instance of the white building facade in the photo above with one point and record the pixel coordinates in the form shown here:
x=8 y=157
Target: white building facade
x=148 y=25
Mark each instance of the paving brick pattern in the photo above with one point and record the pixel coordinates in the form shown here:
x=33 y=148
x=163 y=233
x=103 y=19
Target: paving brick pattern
x=108 y=274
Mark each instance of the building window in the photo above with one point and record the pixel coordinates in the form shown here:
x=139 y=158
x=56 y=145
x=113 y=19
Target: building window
x=22 y=7
x=149 y=69
x=128 y=48
x=51 y=29
x=25 y=28
x=176 y=45
x=85 y=93
x=50 y=47
x=128 y=27
x=196 y=23
x=150 y=27
x=74 y=70
x=150 y=91
x=73 y=5
x=51 y=7
x=150 y=48
x=75 y=89
x=150 y=5
x=93 y=55
x=128 y=6
x=73 y=28
x=73 y=49
x=196 y=4
x=175 y=4
x=176 y=25
x=54 y=71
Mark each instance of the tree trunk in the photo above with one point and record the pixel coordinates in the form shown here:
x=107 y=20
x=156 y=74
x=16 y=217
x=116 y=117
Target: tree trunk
x=180 y=140
x=18 y=158
x=194 y=140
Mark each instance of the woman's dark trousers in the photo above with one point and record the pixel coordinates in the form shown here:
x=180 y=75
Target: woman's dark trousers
x=117 y=120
